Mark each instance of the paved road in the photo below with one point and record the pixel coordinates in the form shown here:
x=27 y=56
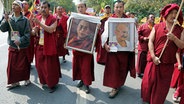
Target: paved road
x=67 y=92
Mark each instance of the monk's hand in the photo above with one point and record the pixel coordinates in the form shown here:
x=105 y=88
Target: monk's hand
x=107 y=47
x=36 y=21
x=156 y=60
x=179 y=66
x=171 y=36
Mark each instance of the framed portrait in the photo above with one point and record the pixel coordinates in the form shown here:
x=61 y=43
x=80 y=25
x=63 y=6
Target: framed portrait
x=121 y=33
x=82 y=32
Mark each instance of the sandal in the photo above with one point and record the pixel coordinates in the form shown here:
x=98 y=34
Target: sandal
x=13 y=85
x=113 y=93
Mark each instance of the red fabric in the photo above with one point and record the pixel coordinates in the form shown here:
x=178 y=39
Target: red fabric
x=49 y=47
x=18 y=68
x=61 y=33
x=116 y=69
x=30 y=49
x=182 y=96
x=83 y=67
x=48 y=67
x=177 y=78
x=160 y=39
x=141 y=62
x=143 y=31
x=84 y=43
x=101 y=52
x=157 y=78
x=156 y=82
x=168 y=8
x=117 y=66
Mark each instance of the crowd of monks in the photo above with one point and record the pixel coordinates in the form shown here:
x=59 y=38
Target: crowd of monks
x=46 y=34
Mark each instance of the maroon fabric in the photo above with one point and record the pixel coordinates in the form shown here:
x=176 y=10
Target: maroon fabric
x=101 y=52
x=30 y=49
x=83 y=43
x=49 y=47
x=182 y=96
x=177 y=77
x=61 y=33
x=156 y=79
x=117 y=66
x=156 y=82
x=160 y=39
x=116 y=69
x=83 y=67
x=168 y=8
x=141 y=61
x=143 y=31
x=48 y=67
x=18 y=68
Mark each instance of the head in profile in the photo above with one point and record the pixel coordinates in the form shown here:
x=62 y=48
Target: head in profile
x=83 y=29
x=122 y=34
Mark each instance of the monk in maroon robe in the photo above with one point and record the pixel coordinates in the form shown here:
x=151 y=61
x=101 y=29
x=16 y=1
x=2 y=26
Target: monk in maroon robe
x=47 y=60
x=83 y=63
x=61 y=32
x=118 y=63
x=178 y=76
x=158 y=71
x=18 y=68
x=101 y=52
x=143 y=37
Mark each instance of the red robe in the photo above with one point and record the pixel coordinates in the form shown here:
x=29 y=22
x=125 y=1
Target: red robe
x=18 y=66
x=30 y=52
x=182 y=96
x=117 y=66
x=61 y=33
x=143 y=31
x=157 y=78
x=83 y=67
x=47 y=60
x=178 y=78
x=101 y=52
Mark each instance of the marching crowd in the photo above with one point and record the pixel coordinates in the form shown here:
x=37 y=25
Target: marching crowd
x=41 y=35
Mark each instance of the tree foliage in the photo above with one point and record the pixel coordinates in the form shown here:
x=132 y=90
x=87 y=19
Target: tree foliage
x=142 y=8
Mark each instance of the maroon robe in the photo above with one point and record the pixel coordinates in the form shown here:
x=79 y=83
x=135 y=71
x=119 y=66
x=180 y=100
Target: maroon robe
x=101 y=52
x=61 y=33
x=143 y=31
x=157 y=78
x=47 y=60
x=18 y=65
x=83 y=66
x=182 y=96
x=30 y=49
x=117 y=66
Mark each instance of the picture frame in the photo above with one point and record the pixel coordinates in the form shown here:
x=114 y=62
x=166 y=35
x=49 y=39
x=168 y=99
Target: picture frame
x=82 y=32
x=121 y=32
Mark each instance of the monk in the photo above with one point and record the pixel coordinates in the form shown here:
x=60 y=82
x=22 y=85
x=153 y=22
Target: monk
x=158 y=71
x=47 y=60
x=18 y=39
x=30 y=51
x=143 y=37
x=118 y=63
x=101 y=52
x=61 y=32
x=178 y=76
x=83 y=63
